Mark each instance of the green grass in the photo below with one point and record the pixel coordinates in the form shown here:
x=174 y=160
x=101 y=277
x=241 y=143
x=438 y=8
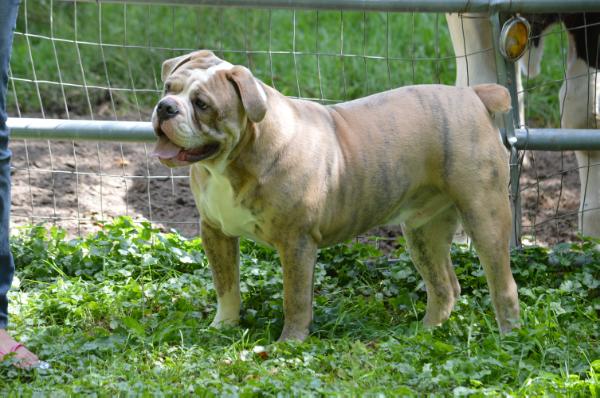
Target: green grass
x=260 y=39
x=337 y=56
x=125 y=311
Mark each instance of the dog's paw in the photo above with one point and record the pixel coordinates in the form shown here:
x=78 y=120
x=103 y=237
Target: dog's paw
x=223 y=323
x=293 y=334
x=508 y=325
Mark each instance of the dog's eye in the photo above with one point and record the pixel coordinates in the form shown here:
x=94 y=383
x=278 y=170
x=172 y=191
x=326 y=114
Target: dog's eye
x=167 y=87
x=201 y=104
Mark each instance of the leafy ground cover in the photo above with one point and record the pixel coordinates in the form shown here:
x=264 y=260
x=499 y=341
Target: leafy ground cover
x=125 y=311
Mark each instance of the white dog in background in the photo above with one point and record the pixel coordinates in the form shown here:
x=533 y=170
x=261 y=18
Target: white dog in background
x=471 y=36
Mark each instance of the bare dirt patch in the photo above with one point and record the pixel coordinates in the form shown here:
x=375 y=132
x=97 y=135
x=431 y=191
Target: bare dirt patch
x=550 y=197
x=76 y=185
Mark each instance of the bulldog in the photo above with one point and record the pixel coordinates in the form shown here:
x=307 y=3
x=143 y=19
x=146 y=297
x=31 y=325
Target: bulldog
x=296 y=176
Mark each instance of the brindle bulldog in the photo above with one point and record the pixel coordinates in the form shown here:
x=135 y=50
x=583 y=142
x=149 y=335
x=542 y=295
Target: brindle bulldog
x=296 y=175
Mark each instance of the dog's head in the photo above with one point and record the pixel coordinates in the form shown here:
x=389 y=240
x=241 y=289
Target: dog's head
x=207 y=105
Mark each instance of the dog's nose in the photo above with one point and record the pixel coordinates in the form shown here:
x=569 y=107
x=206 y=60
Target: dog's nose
x=166 y=109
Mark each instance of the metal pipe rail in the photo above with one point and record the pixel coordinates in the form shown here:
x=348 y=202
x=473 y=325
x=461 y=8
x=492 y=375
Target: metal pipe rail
x=75 y=130
x=557 y=139
x=482 y=6
x=117 y=131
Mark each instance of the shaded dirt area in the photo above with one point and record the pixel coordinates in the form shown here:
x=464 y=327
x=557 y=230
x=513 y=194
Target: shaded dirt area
x=550 y=197
x=75 y=185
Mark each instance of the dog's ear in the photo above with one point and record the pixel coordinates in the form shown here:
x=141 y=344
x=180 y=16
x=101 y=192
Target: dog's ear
x=171 y=64
x=251 y=93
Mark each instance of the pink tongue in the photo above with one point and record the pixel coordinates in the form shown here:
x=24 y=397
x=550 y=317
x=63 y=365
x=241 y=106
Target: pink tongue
x=165 y=149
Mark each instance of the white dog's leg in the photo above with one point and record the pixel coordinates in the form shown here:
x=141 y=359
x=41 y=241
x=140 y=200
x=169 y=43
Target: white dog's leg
x=531 y=62
x=471 y=36
x=579 y=102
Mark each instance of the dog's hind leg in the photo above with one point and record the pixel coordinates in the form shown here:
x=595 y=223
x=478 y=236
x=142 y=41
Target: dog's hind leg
x=429 y=247
x=487 y=219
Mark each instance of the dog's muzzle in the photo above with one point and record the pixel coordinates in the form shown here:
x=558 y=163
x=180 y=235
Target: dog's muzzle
x=166 y=150
x=170 y=152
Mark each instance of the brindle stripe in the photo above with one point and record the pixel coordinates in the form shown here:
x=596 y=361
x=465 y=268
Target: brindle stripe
x=439 y=112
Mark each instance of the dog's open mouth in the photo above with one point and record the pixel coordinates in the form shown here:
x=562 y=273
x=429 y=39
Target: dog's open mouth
x=165 y=149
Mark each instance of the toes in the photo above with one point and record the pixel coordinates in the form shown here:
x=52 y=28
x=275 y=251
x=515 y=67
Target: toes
x=25 y=358
x=20 y=356
x=435 y=318
x=290 y=334
x=224 y=323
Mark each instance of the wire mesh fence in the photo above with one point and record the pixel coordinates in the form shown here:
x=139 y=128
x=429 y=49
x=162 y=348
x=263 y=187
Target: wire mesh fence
x=75 y=60
x=103 y=61
x=564 y=93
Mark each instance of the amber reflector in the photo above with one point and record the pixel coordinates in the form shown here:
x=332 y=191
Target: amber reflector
x=514 y=38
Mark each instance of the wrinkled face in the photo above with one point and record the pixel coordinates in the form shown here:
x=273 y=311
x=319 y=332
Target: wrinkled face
x=207 y=106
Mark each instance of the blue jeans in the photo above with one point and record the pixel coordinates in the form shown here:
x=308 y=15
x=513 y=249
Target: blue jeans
x=8 y=18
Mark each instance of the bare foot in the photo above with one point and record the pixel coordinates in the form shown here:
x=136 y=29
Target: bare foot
x=24 y=358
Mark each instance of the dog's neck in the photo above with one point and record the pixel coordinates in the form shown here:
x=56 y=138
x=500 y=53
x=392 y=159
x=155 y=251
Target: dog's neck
x=253 y=159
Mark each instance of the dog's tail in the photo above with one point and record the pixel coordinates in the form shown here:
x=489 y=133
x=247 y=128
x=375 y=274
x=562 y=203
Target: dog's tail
x=495 y=97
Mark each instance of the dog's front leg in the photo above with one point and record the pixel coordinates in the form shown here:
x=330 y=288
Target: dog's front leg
x=298 y=257
x=224 y=258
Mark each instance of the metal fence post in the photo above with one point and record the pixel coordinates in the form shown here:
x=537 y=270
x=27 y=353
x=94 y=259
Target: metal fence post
x=505 y=71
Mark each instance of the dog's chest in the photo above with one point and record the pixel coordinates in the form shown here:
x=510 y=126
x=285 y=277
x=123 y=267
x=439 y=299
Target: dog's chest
x=216 y=200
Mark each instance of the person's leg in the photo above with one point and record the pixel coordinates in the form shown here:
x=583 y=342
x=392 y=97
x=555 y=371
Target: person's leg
x=8 y=16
